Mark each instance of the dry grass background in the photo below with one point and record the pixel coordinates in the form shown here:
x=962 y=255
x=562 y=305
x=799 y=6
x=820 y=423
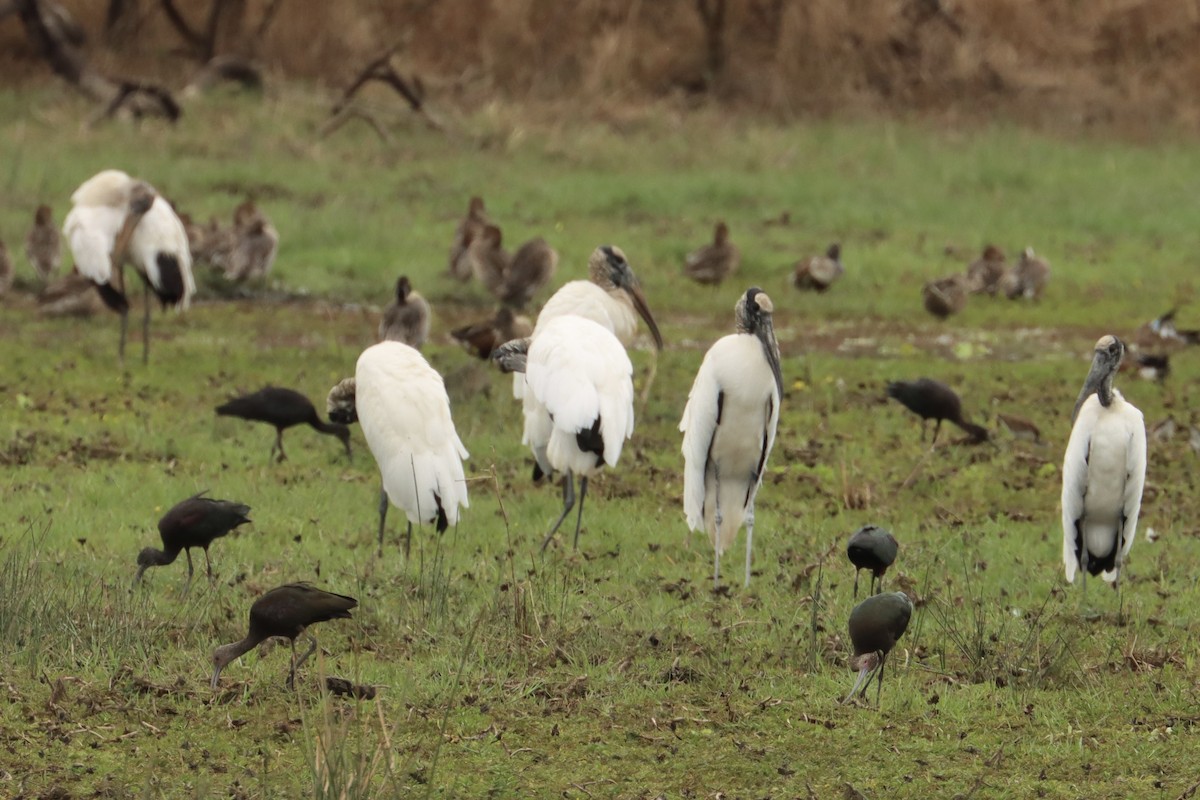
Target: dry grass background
x=1127 y=64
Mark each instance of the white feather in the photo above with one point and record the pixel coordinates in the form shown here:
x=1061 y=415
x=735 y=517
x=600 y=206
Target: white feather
x=405 y=416
x=91 y=232
x=1104 y=472
x=737 y=367
x=577 y=370
x=161 y=231
x=110 y=187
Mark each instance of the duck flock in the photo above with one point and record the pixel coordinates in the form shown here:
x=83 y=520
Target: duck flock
x=574 y=381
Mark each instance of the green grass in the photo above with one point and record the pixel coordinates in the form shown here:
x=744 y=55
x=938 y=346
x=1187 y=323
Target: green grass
x=615 y=671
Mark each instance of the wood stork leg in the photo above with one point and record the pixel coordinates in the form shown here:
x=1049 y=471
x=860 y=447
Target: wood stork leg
x=121 y=341
x=568 y=495
x=383 y=509
x=579 y=518
x=716 y=568
x=749 y=540
x=145 y=324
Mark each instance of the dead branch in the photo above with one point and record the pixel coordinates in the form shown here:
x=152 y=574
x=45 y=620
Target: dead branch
x=380 y=69
x=181 y=25
x=347 y=113
x=233 y=69
x=712 y=13
x=142 y=100
x=267 y=18
x=66 y=58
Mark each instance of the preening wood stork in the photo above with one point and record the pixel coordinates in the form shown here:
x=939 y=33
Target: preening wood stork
x=729 y=427
x=578 y=401
x=1104 y=471
x=402 y=405
x=115 y=215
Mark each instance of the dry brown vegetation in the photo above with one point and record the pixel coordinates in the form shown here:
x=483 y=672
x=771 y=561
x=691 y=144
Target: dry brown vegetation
x=1055 y=62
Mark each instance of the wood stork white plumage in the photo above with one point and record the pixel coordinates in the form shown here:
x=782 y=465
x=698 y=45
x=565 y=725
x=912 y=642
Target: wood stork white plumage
x=402 y=405
x=578 y=401
x=1104 y=471
x=115 y=216
x=729 y=427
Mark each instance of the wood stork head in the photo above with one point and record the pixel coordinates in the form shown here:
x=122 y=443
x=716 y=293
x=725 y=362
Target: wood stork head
x=753 y=313
x=403 y=288
x=139 y=197
x=340 y=403
x=1106 y=359
x=609 y=269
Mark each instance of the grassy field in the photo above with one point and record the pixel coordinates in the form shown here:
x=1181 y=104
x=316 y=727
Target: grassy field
x=616 y=671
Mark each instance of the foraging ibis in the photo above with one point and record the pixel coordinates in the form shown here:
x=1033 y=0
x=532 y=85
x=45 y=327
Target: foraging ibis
x=115 y=216
x=406 y=319
x=819 y=272
x=531 y=268
x=1028 y=278
x=283 y=408
x=871 y=547
x=985 y=273
x=945 y=297
x=6 y=269
x=254 y=245
x=876 y=624
x=43 y=244
x=578 y=402
x=930 y=399
x=714 y=262
x=286 y=611
x=402 y=405
x=195 y=522
x=1104 y=471
x=482 y=338
x=468 y=228
x=729 y=427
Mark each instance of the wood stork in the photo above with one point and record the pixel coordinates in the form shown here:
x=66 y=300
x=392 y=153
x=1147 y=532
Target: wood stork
x=714 y=262
x=875 y=626
x=819 y=272
x=43 y=244
x=115 y=215
x=985 y=273
x=930 y=399
x=729 y=427
x=578 y=402
x=282 y=408
x=873 y=548
x=402 y=405
x=468 y=228
x=482 y=338
x=1104 y=471
x=195 y=522
x=286 y=611
x=406 y=319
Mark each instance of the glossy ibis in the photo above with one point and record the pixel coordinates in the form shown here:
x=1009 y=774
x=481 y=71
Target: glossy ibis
x=818 y=273
x=714 y=262
x=729 y=427
x=194 y=522
x=286 y=611
x=1104 y=471
x=985 y=274
x=876 y=624
x=873 y=548
x=468 y=228
x=406 y=319
x=43 y=244
x=283 y=408
x=579 y=396
x=115 y=216
x=402 y=405
x=930 y=399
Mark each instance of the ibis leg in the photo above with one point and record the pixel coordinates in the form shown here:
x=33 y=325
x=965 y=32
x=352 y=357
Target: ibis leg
x=856 y=571
x=291 y=680
x=579 y=519
x=879 y=679
x=383 y=508
x=312 y=648
x=145 y=324
x=279 y=444
x=936 y=430
x=568 y=495
x=208 y=565
x=187 y=551
x=749 y=539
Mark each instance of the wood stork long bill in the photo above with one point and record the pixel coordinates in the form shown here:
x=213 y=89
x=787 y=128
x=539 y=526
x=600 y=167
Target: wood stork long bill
x=115 y=216
x=729 y=427
x=578 y=402
x=1104 y=471
x=402 y=405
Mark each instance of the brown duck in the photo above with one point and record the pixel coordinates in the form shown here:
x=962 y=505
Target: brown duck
x=714 y=262
x=482 y=338
x=43 y=244
x=531 y=268
x=818 y=273
x=986 y=272
x=468 y=228
x=1027 y=278
x=945 y=296
x=406 y=319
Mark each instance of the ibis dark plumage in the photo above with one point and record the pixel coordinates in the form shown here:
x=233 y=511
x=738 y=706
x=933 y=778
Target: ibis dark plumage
x=930 y=399
x=282 y=408
x=876 y=624
x=194 y=522
x=286 y=611
x=873 y=548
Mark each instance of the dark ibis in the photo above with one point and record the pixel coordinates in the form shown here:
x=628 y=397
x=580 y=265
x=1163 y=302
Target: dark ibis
x=406 y=319
x=930 y=399
x=873 y=548
x=283 y=408
x=194 y=522
x=286 y=611
x=876 y=624
x=714 y=262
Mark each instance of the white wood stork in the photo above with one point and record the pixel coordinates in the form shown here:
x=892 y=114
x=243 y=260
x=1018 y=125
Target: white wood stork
x=402 y=405
x=729 y=427
x=115 y=215
x=1103 y=472
x=578 y=401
